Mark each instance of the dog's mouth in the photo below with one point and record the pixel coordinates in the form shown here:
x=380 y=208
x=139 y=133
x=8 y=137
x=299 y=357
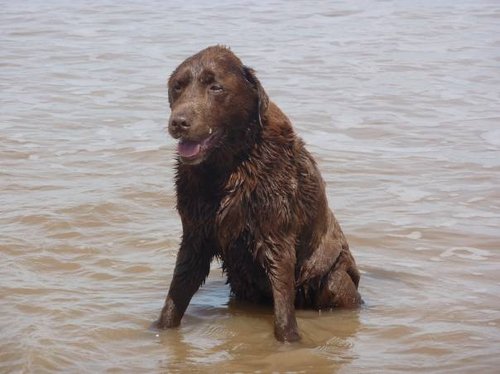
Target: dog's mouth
x=191 y=151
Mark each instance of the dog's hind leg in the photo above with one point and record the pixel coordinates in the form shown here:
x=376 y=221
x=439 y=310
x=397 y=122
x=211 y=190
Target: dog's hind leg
x=340 y=286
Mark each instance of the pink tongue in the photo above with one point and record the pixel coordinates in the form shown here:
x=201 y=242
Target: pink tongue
x=187 y=148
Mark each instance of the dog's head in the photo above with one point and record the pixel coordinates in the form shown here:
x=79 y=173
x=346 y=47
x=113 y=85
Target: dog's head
x=214 y=99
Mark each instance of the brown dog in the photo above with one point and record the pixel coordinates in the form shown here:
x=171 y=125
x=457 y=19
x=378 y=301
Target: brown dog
x=249 y=193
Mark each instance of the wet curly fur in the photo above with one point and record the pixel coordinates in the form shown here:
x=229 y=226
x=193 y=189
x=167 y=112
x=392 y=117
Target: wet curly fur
x=249 y=193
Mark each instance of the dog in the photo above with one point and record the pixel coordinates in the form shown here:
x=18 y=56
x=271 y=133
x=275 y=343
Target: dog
x=250 y=194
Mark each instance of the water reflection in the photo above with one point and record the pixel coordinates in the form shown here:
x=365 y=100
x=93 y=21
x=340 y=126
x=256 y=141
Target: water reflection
x=219 y=333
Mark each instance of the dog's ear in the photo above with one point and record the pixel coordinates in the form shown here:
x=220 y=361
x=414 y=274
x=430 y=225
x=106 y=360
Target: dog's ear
x=263 y=99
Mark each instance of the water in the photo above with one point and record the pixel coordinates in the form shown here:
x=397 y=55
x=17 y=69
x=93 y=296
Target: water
x=399 y=103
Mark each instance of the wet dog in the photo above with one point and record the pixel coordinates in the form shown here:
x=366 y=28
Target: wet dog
x=249 y=193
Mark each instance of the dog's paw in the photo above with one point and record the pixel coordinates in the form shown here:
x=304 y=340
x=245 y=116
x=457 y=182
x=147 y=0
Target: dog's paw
x=287 y=335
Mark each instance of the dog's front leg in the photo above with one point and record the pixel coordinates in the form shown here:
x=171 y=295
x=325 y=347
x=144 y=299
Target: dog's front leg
x=191 y=270
x=280 y=266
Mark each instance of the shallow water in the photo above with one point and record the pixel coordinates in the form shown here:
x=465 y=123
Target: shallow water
x=399 y=103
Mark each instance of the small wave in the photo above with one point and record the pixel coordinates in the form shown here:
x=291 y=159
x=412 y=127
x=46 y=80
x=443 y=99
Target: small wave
x=467 y=253
x=492 y=137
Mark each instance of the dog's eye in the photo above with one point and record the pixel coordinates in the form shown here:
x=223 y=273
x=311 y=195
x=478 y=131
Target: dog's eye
x=177 y=87
x=216 y=88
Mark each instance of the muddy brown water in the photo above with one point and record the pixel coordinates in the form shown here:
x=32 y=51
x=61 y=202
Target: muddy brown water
x=397 y=100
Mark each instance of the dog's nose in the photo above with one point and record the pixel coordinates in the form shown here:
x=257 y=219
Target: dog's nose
x=179 y=123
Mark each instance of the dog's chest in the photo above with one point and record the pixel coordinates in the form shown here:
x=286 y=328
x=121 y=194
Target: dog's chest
x=230 y=220
x=221 y=207
x=234 y=221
